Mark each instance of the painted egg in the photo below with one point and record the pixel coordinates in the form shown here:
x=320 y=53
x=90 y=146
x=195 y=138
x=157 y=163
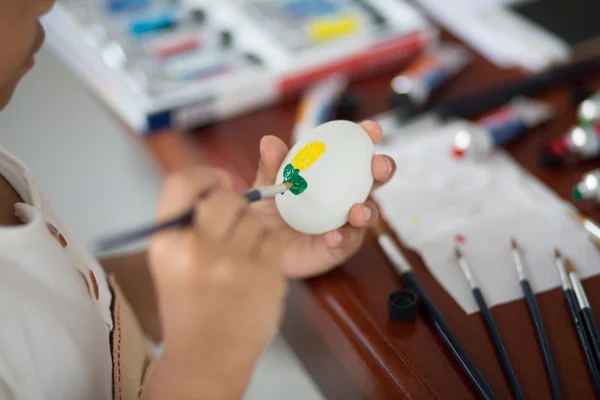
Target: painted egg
x=330 y=168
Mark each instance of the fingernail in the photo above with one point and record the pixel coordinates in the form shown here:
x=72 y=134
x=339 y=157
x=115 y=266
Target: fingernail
x=367 y=213
x=337 y=237
x=390 y=165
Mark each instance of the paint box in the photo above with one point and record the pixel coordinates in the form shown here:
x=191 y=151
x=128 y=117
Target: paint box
x=163 y=64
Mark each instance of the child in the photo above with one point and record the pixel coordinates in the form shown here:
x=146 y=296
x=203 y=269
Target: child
x=67 y=331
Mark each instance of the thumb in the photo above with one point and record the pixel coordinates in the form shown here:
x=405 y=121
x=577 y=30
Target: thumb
x=272 y=152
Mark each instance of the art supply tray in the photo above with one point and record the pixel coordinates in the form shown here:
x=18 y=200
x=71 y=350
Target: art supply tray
x=163 y=64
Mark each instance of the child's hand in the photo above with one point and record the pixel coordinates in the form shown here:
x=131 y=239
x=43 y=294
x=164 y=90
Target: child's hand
x=220 y=287
x=306 y=255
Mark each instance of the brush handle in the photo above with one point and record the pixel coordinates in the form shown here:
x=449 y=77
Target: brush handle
x=583 y=341
x=182 y=221
x=479 y=102
x=442 y=328
x=540 y=331
x=592 y=331
x=507 y=368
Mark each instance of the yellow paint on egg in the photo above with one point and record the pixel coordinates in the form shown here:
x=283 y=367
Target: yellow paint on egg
x=308 y=155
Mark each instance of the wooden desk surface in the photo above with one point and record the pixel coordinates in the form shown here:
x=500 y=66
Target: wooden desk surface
x=338 y=323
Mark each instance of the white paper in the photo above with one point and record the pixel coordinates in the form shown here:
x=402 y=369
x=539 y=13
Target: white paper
x=433 y=197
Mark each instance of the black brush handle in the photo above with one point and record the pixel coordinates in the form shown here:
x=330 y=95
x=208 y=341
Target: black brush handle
x=507 y=368
x=540 y=331
x=443 y=330
x=182 y=221
x=482 y=101
x=583 y=341
x=592 y=331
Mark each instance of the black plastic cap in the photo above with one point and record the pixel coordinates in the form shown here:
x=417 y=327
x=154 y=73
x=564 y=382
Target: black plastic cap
x=548 y=159
x=403 y=104
x=226 y=39
x=402 y=305
x=199 y=15
x=347 y=107
x=254 y=59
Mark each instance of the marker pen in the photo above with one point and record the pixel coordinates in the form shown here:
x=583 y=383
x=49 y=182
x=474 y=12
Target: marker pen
x=588 y=187
x=500 y=127
x=116 y=6
x=318 y=104
x=154 y=22
x=414 y=86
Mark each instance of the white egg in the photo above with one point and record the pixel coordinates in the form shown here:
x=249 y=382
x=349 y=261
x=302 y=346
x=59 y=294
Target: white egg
x=336 y=167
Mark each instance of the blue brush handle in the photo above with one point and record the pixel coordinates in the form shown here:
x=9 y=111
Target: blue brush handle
x=506 y=133
x=435 y=79
x=583 y=341
x=459 y=353
x=540 y=331
x=507 y=368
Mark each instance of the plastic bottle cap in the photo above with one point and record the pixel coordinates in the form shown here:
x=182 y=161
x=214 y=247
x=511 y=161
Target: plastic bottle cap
x=402 y=305
x=577 y=195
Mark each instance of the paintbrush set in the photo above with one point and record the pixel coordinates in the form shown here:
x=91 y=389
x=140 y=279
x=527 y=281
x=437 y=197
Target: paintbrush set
x=458 y=182
x=582 y=318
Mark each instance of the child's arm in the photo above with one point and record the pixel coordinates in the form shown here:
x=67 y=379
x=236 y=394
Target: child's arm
x=133 y=274
x=220 y=290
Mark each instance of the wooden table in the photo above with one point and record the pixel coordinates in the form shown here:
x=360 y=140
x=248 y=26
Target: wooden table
x=338 y=324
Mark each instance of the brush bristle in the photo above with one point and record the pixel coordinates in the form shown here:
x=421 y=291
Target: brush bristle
x=569 y=265
x=379 y=227
x=288 y=185
x=513 y=243
x=457 y=252
x=557 y=253
x=576 y=216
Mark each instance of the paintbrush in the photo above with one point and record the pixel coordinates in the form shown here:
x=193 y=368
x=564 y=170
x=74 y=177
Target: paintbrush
x=538 y=323
x=492 y=329
x=442 y=328
x=184 y=219
x=584 y=308
x=577 y=323
x=588 y=225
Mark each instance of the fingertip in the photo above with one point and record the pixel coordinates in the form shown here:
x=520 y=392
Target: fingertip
x=359 y=216
x=362 y=215
x=272 y=148
x=373 y=129
x=383 y=168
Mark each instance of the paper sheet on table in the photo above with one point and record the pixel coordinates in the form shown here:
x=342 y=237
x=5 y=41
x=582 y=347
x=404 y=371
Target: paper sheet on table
x=474 y=21
x=434 y=196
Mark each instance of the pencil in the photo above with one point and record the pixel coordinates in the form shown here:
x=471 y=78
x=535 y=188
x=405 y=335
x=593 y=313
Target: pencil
x=440 y=325
x=507 y=368
x=183 y=220
x=584 y=308
x=538 y=323
x=577 y=323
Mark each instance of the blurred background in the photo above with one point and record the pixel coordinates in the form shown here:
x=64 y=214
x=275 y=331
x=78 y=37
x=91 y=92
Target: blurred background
x=125 y=92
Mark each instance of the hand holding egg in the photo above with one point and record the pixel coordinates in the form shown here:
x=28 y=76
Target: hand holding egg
x=333 y=170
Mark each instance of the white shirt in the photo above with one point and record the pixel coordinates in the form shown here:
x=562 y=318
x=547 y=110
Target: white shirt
x=54 y=332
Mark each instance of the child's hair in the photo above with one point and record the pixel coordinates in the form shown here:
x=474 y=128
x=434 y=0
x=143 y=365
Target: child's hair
x=21 y=36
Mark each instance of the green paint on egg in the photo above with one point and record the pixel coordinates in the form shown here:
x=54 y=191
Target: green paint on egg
x=292 y=175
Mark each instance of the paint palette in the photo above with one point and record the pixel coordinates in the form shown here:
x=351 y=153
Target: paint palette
x=163 y=64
